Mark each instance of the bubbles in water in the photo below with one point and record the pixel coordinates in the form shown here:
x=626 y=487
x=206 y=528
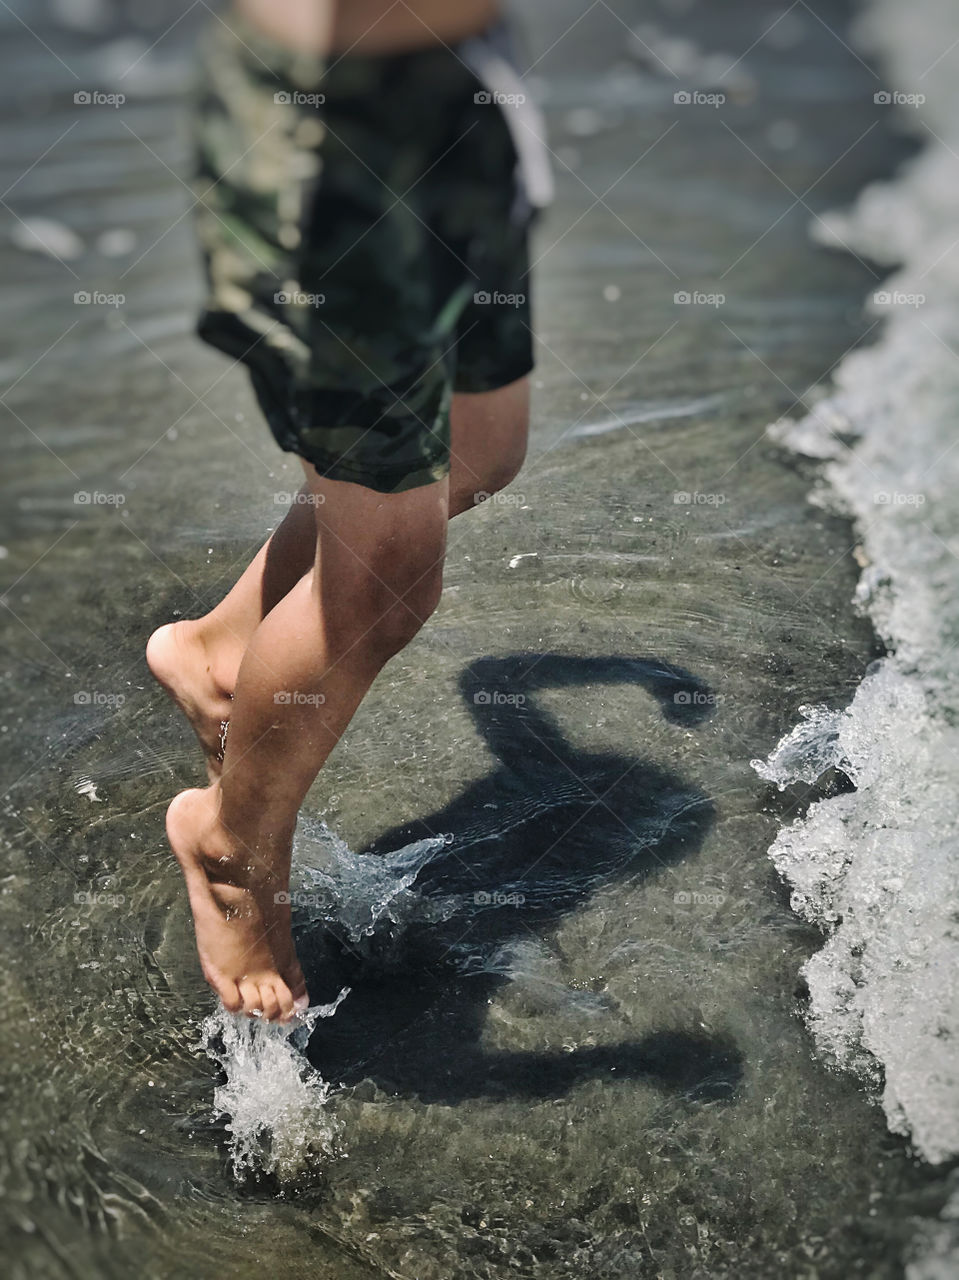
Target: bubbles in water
x=277 y=1106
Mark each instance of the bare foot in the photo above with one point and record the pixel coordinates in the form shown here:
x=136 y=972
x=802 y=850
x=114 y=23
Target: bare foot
x=242 y=933
x=178 y=659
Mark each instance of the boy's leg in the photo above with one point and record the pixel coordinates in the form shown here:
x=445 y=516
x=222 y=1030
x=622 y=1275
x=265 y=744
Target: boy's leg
x=377 y=577
x=489 y=432
x=198 y=661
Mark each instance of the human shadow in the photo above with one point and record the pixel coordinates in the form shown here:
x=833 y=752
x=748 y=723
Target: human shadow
x=532 y=841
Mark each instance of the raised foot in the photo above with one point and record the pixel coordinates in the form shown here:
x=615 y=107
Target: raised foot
x=178 y=660
x=242 y=933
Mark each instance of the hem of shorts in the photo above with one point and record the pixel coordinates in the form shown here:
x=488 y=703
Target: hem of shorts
x=278 y=419
x=385 y=480
x=504 y=377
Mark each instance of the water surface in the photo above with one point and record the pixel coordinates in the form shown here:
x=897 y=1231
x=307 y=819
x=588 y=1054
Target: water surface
x=571 y=1044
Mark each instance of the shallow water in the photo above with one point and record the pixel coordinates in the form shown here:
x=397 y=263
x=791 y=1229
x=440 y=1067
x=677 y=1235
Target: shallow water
x=571 y=1043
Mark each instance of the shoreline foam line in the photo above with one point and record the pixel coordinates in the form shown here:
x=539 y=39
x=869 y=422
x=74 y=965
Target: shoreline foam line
x=878 y=868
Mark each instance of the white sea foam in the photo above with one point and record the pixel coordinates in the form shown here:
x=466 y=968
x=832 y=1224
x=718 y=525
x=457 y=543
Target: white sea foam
x=935 y=1251
x=878 y=868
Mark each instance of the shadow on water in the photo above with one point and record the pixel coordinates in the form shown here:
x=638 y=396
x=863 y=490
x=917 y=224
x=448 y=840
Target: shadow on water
x=533 y=840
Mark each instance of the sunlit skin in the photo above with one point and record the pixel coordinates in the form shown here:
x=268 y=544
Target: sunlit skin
x=368 y=26
x=344 y=583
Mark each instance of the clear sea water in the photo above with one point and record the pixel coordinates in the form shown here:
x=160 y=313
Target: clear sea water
x=573 y=1039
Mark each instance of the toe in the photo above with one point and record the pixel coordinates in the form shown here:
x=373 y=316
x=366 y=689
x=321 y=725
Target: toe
x=268 y=1000
x=292 y=976
x=229 y=994
x=284 y=999
x=250 y=993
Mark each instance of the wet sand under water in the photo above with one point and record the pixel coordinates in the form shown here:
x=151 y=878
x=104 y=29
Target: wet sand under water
x=576 y=1048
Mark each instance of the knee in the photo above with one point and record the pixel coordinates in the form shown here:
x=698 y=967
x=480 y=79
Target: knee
x=505 y=432
x=504 y=469
x=400 y=609
x=393 y=602
x=510 y=456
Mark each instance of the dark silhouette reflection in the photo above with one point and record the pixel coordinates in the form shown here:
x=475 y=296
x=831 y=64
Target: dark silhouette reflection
x=532 y=841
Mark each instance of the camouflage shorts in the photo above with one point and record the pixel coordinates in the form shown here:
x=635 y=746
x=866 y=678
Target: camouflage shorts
x=364 y=226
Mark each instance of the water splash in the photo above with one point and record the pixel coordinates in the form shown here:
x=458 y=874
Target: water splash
x=278 y=1107
x=534 y=972
x=808 y=751
x=331 y=884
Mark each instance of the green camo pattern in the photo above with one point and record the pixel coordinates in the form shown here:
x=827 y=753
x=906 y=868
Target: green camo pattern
x=363 y=252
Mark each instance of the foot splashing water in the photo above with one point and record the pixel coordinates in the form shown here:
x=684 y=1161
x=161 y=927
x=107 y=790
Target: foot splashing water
x=278 y=1108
